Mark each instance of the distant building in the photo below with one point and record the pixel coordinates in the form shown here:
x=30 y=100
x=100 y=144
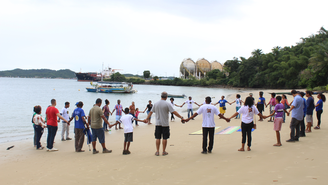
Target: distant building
x=199 y=69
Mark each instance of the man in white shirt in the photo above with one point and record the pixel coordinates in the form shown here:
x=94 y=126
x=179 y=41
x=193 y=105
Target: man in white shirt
x=65 y=129
x=208 y=124
x=189 y=106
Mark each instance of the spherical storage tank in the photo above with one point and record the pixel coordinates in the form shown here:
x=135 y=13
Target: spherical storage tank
x=216 y=65
x=203 y=65
x=187 y=64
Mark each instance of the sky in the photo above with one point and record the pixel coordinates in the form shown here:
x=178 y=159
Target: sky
x=155 y=35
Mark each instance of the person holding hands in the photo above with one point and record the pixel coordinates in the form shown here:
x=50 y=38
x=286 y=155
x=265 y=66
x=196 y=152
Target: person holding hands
x=208 y=124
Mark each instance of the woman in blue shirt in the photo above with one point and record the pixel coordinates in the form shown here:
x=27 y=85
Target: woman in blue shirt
x=318 y=108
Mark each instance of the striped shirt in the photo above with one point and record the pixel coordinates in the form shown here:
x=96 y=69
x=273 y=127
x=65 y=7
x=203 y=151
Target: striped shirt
x=118 y=109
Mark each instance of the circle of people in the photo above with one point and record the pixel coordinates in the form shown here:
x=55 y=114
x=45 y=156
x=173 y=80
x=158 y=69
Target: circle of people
x=301 y=110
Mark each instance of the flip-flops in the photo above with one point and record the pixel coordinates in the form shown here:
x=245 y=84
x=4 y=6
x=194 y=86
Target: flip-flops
x=165 y=153
x=157 y=153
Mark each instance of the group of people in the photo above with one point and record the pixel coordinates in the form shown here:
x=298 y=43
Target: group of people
x=300 y=109
x=97 y=119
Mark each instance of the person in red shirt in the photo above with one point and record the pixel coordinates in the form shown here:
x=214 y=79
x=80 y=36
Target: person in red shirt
x=52 y=124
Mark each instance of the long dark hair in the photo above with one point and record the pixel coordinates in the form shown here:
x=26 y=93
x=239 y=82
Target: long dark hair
x=284 y=96
x=249 y=101
x=323 y=97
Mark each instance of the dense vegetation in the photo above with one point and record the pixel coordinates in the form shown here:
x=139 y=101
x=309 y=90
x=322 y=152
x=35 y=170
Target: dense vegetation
x=117 y=77
x=38 y=73
x=304 y=65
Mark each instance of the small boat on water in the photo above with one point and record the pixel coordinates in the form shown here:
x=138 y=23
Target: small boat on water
x=176 y=96
x=111 y=87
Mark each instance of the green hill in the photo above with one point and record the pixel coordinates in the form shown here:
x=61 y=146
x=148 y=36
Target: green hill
x=38 y=73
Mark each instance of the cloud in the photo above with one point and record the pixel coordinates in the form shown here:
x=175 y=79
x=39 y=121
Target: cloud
x=155 y=35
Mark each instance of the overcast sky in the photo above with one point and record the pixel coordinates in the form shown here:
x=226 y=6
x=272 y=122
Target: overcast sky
x=155 y=35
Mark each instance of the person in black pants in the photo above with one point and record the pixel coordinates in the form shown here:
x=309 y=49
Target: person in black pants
x=247 y=111
x=208 y=124
x=318 y=108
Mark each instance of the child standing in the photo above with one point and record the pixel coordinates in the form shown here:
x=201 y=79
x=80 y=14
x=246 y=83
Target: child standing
x=247 y=111
x=127 y=121
x=137 y=114
x=318 y=108
x=238 y=104
x=278 y=110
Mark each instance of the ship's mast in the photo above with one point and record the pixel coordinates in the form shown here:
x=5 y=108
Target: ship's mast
x=102 y=69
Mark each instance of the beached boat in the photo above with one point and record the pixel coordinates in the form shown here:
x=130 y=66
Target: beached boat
x=111 y=87
x=176 y=96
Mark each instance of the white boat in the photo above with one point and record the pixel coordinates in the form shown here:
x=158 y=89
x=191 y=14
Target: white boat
x=111 y=87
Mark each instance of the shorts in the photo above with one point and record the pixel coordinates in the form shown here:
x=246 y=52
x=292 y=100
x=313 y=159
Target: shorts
x=271 y=109
x=222 y=111
x=309 y=119
x=148 y=113
x=162 y=132
x=128 y=137
x=277 y=123
x=118 y=117
x=98 y=133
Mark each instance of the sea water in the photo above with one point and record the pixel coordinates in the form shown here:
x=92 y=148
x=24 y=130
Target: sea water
x=18 y=96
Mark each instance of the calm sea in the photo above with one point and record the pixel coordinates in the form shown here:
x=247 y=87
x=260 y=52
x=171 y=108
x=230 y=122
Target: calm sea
x=18 y=96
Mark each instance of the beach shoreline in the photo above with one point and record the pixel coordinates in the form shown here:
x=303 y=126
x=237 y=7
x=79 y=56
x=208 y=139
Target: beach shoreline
x=302 y=162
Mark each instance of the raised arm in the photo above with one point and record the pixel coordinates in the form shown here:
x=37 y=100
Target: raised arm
x=197 y=104
x=215 y=103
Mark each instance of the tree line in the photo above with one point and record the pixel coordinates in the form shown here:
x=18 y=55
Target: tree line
x=38 y=73
x=304 y=65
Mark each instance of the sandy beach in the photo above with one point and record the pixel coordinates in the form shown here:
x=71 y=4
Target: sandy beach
x=302 y=162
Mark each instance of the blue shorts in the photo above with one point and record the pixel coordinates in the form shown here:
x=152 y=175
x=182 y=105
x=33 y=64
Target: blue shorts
x=148 y=113
x=118 y=117
x=98 y=133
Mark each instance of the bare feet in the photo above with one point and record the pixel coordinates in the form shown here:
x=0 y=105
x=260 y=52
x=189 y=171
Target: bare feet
x=248 y=149
x=116 y=129
x=278 y=144
x=121 y=128
x=241 y=149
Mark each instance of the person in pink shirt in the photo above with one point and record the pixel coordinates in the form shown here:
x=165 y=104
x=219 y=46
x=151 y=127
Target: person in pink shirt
x=137 y=112
x=279 y=111
x=284 y=101
x=272 y=104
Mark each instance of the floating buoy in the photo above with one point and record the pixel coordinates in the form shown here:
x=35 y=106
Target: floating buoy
x=54 y=89
x=79 y=89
